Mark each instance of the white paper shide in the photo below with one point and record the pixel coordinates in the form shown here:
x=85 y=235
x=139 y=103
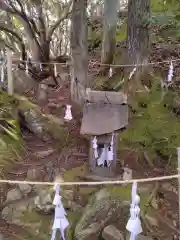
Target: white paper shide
x=134 y=223
x=60 y=220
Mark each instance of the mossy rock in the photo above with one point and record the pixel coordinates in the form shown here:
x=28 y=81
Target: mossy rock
x=45 y=125
x=11 y=144
x=76 y=174
x=101 y=210
x=124 y=193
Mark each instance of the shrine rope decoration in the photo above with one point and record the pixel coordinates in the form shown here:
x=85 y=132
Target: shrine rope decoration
x=60 y=220
x=94 y=183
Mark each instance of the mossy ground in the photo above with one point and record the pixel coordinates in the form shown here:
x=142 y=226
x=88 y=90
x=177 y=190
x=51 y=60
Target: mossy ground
x=11 y=144
x=124 y=193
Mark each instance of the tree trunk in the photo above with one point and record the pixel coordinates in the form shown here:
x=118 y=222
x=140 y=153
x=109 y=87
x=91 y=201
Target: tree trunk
x=79 y=50
x=109 y=30
x=137 y=46
x=138 y=35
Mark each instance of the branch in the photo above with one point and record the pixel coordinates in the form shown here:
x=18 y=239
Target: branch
x=22 y=16
x=20 y=4
x=5 y=7
x=20 y=40
x=42 y=27
x=56 y=24
x=3 y=42
x=5 y=29
x=33 y=24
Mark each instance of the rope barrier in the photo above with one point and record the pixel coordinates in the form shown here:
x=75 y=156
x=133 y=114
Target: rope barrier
x=101 y=64
x=114 y=182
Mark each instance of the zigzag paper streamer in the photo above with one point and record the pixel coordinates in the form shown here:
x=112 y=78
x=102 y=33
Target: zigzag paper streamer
x=133 y=72
x=60 y=220
x=170 y=74
x=134 y=223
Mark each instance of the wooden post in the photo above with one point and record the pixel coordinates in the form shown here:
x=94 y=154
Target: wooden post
x=178 y=154
x=9 y=72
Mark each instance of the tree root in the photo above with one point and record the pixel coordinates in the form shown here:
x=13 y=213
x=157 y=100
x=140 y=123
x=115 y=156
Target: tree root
x=166 y=222
x=153 y=195
x=163 y=219
x=146 y=223
x=146 y=157
x=143 y=214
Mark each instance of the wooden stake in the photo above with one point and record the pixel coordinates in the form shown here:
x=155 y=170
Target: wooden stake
x=9 y=72
x=178 y=154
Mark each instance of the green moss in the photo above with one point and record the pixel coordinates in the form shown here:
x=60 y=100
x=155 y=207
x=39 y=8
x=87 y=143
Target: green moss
x=31 y=217
x=124 y=193
x=121 y=33
x=73 y=218
x=154 y=127
x=76 y=173
x=158 y=6
x=87 y=191
x=11 y=144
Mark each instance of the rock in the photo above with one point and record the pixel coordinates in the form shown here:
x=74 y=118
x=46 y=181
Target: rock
x=51 y=172
x=153 y=221
x=1 y=236
x=167 y=186
x=12 y=214
x=16 y=213
x=139 y=237
x=43 y=202
x=142 y=237
x=33 y=122
x=25 y=189
x=112 y=233
x=34 y=174
x=127 y=175
x=23 y=82
x=46 y=153
x=68 y=194
x=52 y=105
x=74 y=206
x=63 y=77
x=48 y=80
x=154 y=203
x=91 y=232
x=13 y=195
x=143 y=188
x=101 y=210
x=42 y=92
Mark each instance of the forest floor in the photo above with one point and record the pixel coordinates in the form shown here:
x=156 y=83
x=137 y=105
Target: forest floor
x=56 y=160
x=75 y=156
